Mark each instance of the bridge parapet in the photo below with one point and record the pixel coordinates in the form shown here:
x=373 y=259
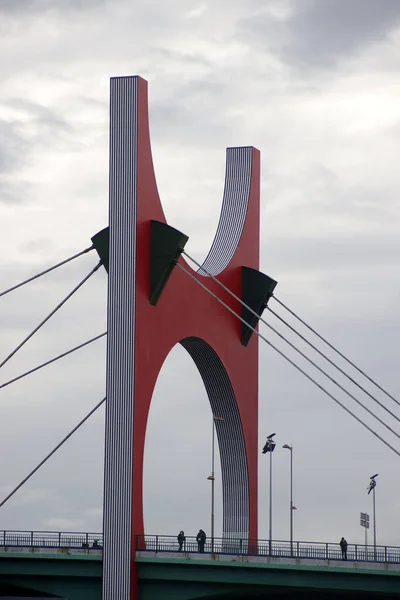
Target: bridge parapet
x=280 y=549
x=49 y=540
x=92 y=543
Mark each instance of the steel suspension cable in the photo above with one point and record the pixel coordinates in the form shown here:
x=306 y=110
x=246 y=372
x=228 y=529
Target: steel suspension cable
x=14 y=287
x=52 y=360
x=337 y=351
x=287 y=358
x=331 y=362
x=300 y=352
x=46 y=458
x=51 y=314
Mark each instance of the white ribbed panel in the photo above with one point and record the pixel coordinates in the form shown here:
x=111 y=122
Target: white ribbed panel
x=234 y=210
x=121 y=340
x=232 y=448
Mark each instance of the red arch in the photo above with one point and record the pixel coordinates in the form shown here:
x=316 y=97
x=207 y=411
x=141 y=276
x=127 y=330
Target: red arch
x=185 y=310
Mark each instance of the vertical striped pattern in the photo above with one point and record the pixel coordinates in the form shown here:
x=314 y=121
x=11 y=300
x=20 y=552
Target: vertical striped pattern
x=235 y=484
x=120 y=343
x=233 y=212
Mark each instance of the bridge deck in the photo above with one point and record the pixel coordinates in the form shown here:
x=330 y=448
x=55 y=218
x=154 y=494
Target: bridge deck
x=76 y=573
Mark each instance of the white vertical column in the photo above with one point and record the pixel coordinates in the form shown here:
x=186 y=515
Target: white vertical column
x=121 y=339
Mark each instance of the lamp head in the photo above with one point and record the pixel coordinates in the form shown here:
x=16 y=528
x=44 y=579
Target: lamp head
x=269 y=445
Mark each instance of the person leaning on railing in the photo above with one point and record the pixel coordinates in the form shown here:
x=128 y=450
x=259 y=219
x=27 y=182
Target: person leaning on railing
x=181 y=539
x=343 y=547
x=201 y=540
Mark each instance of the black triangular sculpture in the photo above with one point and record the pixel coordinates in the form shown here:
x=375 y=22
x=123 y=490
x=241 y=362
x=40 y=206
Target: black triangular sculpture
x=166 y=245
x=257 y=289
x=101 y=243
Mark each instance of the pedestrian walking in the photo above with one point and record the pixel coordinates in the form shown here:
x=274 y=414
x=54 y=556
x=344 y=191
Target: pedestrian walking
x=343 y=547
x=201 y=540
x=181 y=539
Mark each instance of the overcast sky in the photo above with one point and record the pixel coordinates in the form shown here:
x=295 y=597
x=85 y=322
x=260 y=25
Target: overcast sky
x=314 y=85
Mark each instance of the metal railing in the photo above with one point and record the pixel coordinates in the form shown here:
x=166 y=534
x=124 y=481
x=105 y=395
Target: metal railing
x=238 y=547
x=50 y=539
x=277 y=549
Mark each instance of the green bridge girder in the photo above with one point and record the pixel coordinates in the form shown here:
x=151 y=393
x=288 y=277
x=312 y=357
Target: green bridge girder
x=79 y=576
x=182 y=579
x=71 y=576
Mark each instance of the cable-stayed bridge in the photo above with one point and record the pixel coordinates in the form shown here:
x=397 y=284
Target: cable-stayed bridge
x=215 y=310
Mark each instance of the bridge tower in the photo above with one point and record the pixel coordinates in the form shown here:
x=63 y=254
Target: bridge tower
x=153 y=306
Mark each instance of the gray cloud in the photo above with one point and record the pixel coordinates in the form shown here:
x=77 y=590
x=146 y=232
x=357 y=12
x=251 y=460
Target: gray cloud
x=325 y=32
x=13 y=194
x=28 y=7
x=36 y=125
x=12 y=147
x=320 y=34
x=13 y=153
x=188 y=110
x=31 y=129
x=345 y=252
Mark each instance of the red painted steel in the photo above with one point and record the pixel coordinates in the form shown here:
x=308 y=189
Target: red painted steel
x=186 y=310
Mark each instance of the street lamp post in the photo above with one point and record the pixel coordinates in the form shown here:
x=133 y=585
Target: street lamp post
x=212 y=478
x=291 y=496
x=371 y=488
x=270 y=447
